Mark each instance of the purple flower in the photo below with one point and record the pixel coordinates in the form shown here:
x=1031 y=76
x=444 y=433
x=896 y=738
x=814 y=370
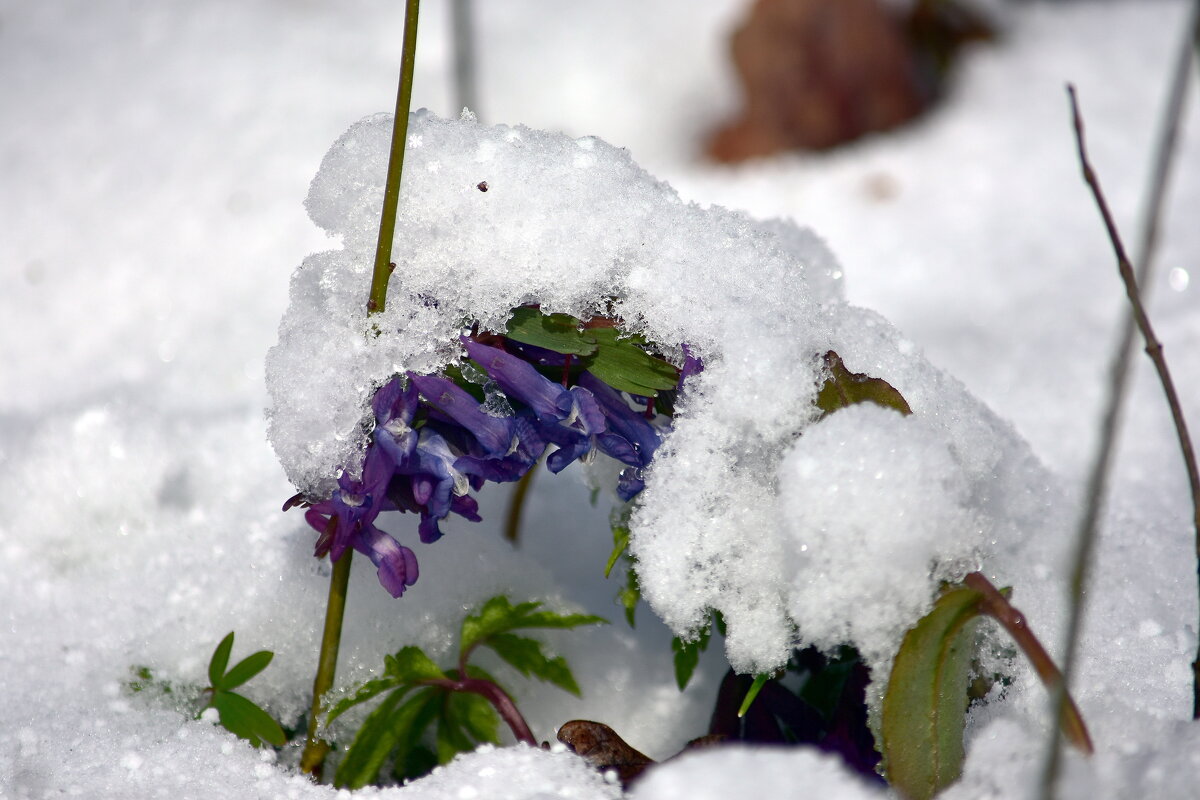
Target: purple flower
x=629 y=437
x=396 y=564
x=494 y=434
x=433 y=442
x=521 y=381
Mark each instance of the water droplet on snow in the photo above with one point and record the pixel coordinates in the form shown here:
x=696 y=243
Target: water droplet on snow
x=1178 y=279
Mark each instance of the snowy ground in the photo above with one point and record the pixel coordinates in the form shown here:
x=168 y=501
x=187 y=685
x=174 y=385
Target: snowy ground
x=155 y=157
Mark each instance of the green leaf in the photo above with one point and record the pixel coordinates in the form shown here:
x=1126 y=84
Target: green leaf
x=687 y=655
x=411 y=665
x=926 y=702
x=755 y=688
x=220 y=660
x=409 y=755
x=476 y=715
x=624 y=366
x=620 y=543
x=416 y=762
x=383 y=731
x=629 y=596
x=242 y=717
x=561 y=333
x=498 y=615
x=246 y=669
x=527 y=657
x=823 y=690
x=364 y=693
x=451 y=739
x=845 y=388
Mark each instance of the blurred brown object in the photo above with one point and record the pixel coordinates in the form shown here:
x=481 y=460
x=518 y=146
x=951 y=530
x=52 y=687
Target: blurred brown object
x=818 y=73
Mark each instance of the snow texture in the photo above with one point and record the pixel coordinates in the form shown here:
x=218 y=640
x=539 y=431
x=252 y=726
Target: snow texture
x=155 y=155
x=734 y=517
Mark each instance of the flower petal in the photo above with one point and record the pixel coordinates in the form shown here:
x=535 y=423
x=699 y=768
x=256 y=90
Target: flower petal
x=493 y=433
x=397 y=565
x=520 y=381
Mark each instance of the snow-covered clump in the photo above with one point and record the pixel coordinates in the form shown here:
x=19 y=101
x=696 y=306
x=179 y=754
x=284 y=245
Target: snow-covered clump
x=839 y=530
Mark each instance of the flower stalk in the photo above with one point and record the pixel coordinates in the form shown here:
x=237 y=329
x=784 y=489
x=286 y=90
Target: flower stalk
x=312 y=759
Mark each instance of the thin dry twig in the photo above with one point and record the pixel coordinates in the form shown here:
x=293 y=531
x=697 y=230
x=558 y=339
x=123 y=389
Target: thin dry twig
x=1154 y=348
x=1164 y=156
x=1098 y=480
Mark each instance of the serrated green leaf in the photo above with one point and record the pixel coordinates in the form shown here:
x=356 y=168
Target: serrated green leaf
x=451 y=739
x=417 y=761
x=925 y=706
x=687 y=655
x=245 y=719
x=246 y=669
x=409 y=755
x=411 y=665
x=619 y=362
x=561 y=333
x=384 y=730
x=845 y=388
x=498 y=615
x=526 y=656
x=476 y=716
x=365 y=692
x=620 y=543
x=220 y=660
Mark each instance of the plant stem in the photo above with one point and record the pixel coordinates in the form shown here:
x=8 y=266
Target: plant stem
x=516 y=505
x=391 y=190
x=312 y=760
x=996 y=606
x=499 y=699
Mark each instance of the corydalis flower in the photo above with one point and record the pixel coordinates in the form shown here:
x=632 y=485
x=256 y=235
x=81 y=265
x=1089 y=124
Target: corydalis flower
x=433 y=442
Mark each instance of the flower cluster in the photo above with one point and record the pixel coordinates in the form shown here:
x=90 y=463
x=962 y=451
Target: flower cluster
x=434 y=441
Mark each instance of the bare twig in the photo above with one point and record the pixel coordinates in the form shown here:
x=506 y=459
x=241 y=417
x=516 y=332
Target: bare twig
x=1154 y=348
x=1098 y=480
x=1164 y=156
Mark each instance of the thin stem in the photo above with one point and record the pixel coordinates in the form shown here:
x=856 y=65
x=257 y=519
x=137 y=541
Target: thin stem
x=516 y=505
x=312 y=760
x=996 y=606
x=391 y=190
x=499 y=699
x=1097 y=484
x=1148 y=243
x=1154 y=348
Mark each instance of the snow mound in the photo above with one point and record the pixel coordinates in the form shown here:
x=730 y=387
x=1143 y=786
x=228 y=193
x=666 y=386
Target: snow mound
x=832 y=532
x=718 y=773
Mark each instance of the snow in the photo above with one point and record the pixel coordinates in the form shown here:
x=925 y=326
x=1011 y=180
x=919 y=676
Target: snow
x=156 y=157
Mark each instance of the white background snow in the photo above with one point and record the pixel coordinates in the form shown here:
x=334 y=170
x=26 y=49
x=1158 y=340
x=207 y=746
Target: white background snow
x=155 y=157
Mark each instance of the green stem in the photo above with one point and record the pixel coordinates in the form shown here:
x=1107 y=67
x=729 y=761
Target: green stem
x=312 y=760
x=391 y=189
x=315 y=749
x=512 y=523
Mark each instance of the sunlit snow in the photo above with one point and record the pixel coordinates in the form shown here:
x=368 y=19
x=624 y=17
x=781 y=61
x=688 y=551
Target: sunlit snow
x=157 y=158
